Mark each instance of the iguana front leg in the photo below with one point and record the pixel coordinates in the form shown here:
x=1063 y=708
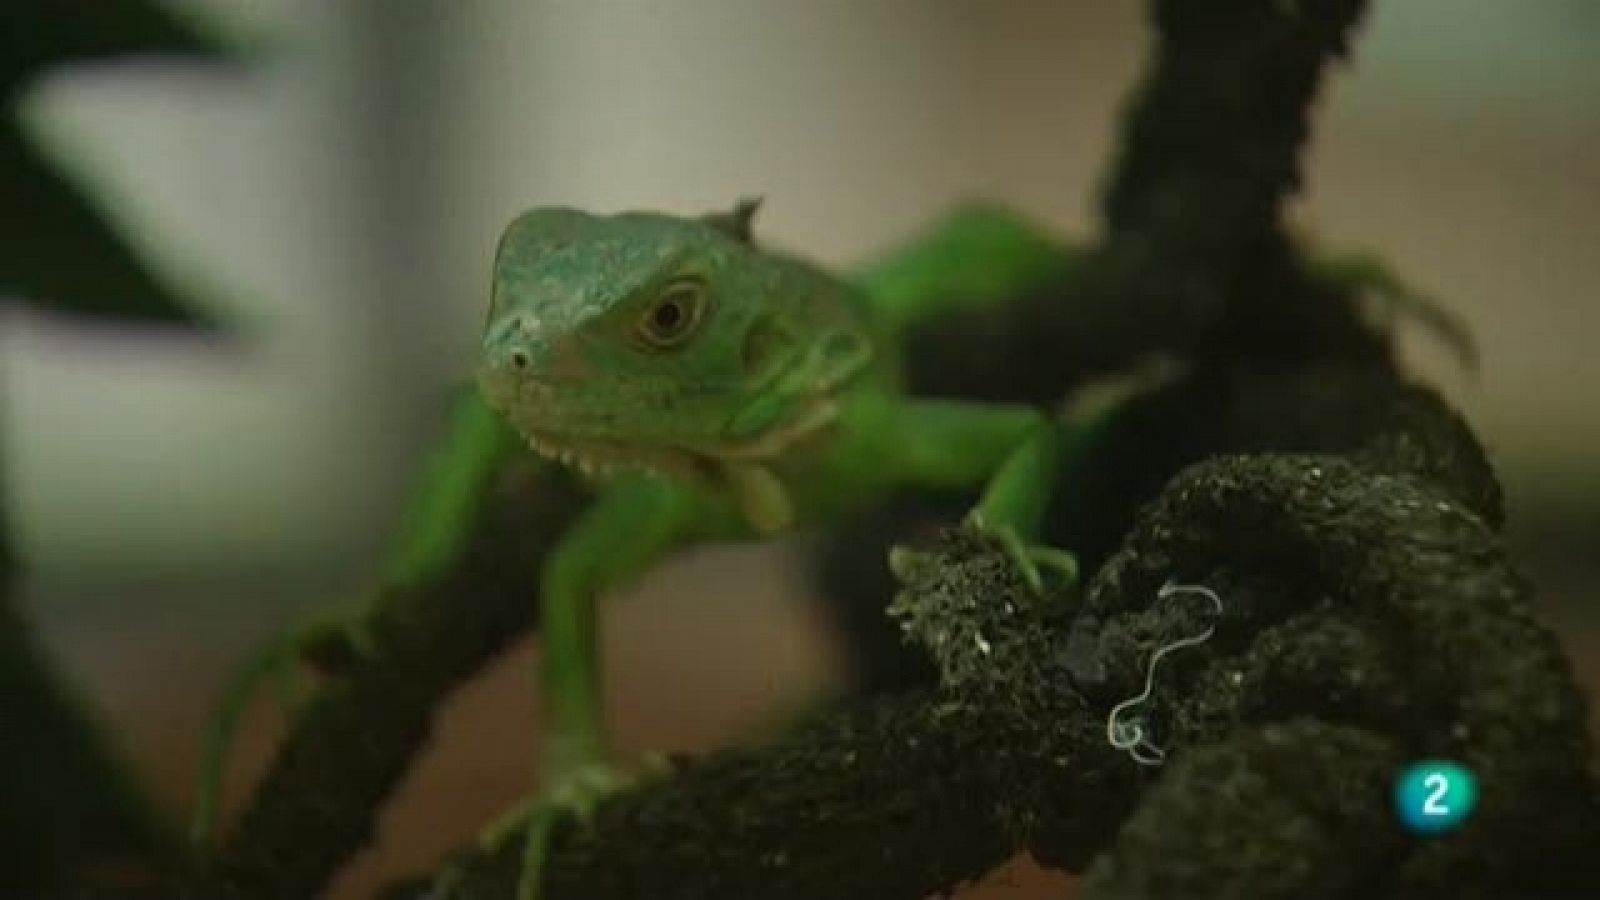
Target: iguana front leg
x=634 y=522
x=1014 y=452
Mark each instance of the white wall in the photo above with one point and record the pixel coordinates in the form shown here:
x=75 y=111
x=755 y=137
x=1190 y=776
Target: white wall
x=1451 y=148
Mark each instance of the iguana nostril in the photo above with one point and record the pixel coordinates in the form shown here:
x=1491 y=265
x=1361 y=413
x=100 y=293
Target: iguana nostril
x=519 y=359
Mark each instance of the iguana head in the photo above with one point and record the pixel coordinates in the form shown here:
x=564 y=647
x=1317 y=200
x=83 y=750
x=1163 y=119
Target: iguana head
x=647 y=340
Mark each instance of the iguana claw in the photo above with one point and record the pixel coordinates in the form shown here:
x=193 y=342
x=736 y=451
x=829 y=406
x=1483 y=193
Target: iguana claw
x=575 y=795
x=1031 y=560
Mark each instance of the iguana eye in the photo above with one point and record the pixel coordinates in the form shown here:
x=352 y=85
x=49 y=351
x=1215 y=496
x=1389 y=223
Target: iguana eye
x=673 y=315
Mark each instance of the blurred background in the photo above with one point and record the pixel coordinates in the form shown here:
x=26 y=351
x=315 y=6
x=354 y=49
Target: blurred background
x=178 y=500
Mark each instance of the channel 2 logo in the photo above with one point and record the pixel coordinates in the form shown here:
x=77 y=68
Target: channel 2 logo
x=1435 y=797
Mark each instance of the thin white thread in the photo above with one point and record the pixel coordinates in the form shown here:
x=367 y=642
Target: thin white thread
x=1130 y=735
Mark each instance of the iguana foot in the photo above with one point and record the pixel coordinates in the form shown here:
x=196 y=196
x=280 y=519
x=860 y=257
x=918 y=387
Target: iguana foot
x=1033 y=561
x=574 y=795
x=328 y=642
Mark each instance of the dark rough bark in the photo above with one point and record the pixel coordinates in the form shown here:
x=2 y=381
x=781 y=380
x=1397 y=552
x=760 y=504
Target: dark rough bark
x=1369 y=619
x=1193 y=258
x=897 y=796
x=1368 y=601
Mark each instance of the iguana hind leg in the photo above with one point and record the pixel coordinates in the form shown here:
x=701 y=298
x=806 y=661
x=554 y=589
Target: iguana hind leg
x=441 y=516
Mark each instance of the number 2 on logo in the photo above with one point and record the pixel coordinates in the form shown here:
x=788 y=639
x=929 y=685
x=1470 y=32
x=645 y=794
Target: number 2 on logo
x=1438 y=786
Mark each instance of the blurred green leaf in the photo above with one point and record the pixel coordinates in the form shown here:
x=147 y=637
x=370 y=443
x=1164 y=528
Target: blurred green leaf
x=67 y=802
x=56 y=251
x=44 y=33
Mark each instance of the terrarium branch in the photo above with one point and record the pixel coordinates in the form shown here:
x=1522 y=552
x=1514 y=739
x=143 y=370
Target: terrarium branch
x=1367 y=617
x=355 y=738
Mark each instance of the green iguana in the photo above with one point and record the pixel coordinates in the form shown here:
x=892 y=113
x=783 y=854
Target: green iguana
x=721 y=391
x=717 y=390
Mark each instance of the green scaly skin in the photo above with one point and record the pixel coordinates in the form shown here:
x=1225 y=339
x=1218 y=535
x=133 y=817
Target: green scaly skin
x=720 y=391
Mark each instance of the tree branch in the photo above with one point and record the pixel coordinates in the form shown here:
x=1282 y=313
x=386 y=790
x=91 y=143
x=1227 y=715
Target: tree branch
x=357 y=736
x=1368 y=619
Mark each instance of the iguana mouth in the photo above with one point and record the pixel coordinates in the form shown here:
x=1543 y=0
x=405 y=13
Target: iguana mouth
x=600 y=457
x=742 y=467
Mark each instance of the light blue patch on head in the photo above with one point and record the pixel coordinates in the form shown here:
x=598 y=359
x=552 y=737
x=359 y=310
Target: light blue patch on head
x=566 y=267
